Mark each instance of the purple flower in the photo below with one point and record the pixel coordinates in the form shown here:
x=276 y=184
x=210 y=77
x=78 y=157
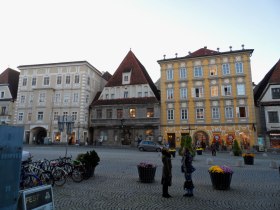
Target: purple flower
x=146 y=165
x=226 y=169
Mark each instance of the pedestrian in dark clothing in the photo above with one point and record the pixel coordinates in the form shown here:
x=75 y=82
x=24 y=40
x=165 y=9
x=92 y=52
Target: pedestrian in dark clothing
x=188 y=169
x=213 y=149
x=166 y=172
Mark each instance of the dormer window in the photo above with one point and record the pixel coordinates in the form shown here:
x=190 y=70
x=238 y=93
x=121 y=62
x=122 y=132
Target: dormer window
x=126 y=78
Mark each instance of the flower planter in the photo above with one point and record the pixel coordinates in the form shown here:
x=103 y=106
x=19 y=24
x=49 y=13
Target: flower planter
x=146 y=175
x=220 y=181
x=199 y=152
x=249 y=160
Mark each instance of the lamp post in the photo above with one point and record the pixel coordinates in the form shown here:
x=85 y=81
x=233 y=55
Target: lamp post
x=68 y=122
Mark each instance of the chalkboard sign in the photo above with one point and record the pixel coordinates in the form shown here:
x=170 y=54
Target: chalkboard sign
x=38 y=198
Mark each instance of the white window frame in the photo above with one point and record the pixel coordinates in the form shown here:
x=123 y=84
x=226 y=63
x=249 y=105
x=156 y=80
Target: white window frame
x=198 y=71
x=58 y=79
x=169 y=74
x=198 y=92
x=183 y=93
x=170 y=94
x=77 y=79
x=75 y=97
x=240 y=89
x=66 y=98
x=229 y=112
x=68 y=79
x=183 y=73
x=40 y=116
x=184 y=114
x=24 y=81
x=226 y=68
x=20 y=116
x=46 y=81
x=238 y=111
x=239 y=68
x=199 y=113
x=226 y=90
x=215 y=113
x=42 y=97
x=170 y=114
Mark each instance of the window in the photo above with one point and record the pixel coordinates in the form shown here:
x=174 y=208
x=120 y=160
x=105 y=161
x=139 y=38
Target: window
x=197 y=92
x=215 y=113
x=31 y=99
x=29 y=116
x=184 y=114
x=42 y=97
x=169 y=74
x=241 y=112
x=198 y=71
x=57 y=98
x=229 y=112
x=67 y=79
x=240 y=89
x=2 y=94
x=183 y=93
x=109 y=114
x=183 y=73
x=22 y=99
x=24 y=81
x=33 y=83
x=65 y=115
x=226 y=90
x=132 y=112
x=199 y=113
x=77 y=79
x=145 y=94
x=106 y=96
x=213 y=70
x=88 y=81
x=55 y=116
x=125 y=94
x=214 y=91
x=170 y=114
x=20 y=116
x=225 y=69
x=275 y=93
x=150 y=112
x=125 y=78
x=139 y=94
x=74 y=115
x=66 y=98
x=273 y=117
x=170 y=94
x=112 y=96
x=76 y=97
x=87 y=98
x=99 y=114
x=58 y=80
x=3 y=111
x=46 y=80
x=119 y=113
x=239 y=68
x=40 y=116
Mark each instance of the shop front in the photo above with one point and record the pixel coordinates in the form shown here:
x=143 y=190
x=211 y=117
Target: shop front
x=274 y=137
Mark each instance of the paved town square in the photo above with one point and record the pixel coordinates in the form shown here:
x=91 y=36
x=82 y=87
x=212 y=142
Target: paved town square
x=116 y=183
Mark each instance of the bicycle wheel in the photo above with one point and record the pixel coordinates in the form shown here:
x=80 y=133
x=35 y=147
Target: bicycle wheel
x=59 y=176
x=76 y=175
x=30 y=180
x=47 y=178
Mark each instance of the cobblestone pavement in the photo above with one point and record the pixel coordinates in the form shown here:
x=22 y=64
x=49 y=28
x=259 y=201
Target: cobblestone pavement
x=116 y=184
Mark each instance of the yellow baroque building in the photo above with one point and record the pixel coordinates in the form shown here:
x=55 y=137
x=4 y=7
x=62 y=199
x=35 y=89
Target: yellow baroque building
x=208 y=95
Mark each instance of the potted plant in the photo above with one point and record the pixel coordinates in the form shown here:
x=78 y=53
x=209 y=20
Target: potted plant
x=186 y=142
x=146 y=171
x=90 y=160
x=236 y=148
x=199 y=151
x=220 y=177
x=248 y=158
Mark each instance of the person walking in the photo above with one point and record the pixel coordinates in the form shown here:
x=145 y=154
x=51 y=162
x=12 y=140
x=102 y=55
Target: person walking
x=213 y=149
x=166 y=172
x=188 y=169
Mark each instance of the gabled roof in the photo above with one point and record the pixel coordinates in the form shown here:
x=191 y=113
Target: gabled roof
x=202 y=52
x=272 y=77
x=139 y=75
x=107 y=76
x=11 y=78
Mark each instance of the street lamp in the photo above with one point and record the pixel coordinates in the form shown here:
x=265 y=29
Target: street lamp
x=68 y=122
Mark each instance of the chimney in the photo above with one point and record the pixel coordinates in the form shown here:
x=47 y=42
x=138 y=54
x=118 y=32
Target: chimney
x=218 y=49
x=176 y=55
x=242 y=47
x=205 y=47
x=230 y=48
x=164 y=57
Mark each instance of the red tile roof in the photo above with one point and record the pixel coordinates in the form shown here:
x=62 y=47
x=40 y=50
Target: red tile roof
x=10 y=77
x=202 y=52
x=144 y=100
x=272 y=77
x=139 y=75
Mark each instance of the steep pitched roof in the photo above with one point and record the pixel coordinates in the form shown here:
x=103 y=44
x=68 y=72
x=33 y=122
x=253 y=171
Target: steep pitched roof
x=11 y=78
x=139 y=75
x=272 y=77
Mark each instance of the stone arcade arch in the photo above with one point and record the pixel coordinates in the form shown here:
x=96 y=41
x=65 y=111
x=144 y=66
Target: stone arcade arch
x=38 y=135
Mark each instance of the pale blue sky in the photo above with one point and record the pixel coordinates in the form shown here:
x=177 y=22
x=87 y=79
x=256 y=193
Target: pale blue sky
x=103 y=31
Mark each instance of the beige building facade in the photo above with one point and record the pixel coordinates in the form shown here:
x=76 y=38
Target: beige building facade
x=47 y=91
